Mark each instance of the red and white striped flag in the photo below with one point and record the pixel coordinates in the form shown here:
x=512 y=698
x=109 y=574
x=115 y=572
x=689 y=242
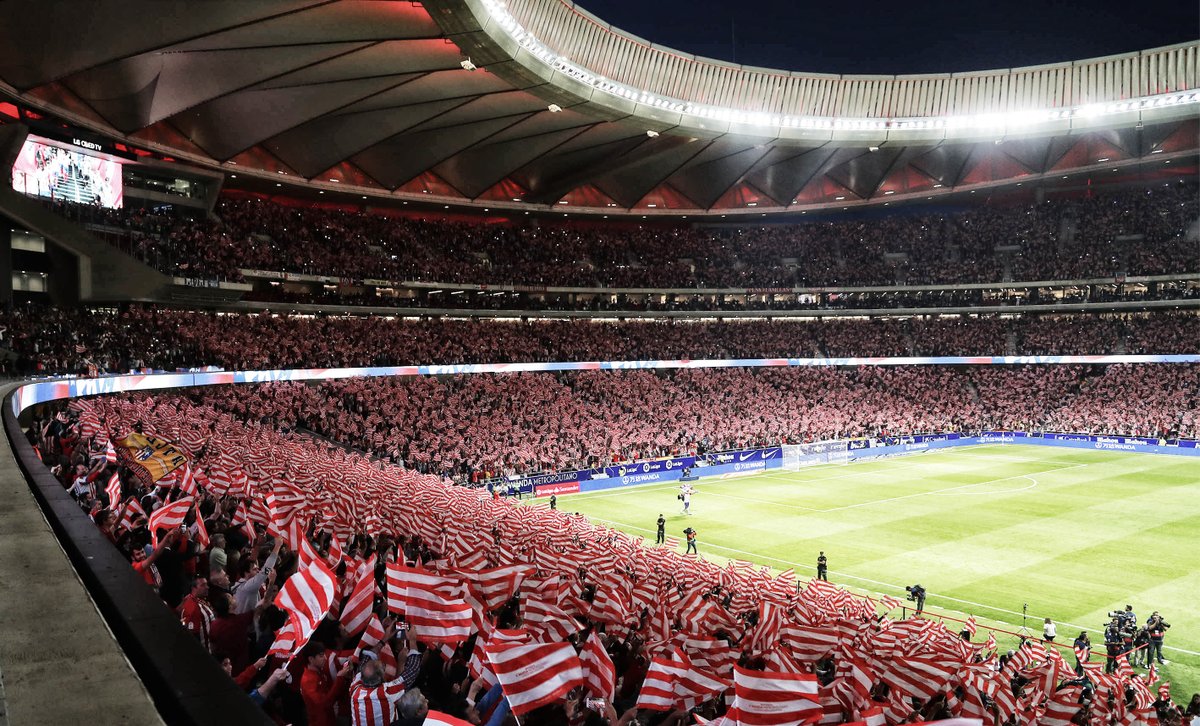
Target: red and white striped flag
x=535 y=675
x=372 y=636
x=889 y=602
x=114 y=491
x=970 y=626
x=991 y=641
x=920 y=676
x=201 y=531
x=285 y=642
x=434 y=718
x=187 y=483
x=357 y=611
x=169 y=516
x=1062 y=707
x=1124 y=670
x=873 y=716
x=133 y=510
x=306 y=597
x=600 y=676
x=672 y=683
x=433 y=605
x=110 y=452
x=774 y=698
x=494 y=587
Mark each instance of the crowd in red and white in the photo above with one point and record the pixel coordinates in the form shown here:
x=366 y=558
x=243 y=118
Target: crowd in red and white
x=55 y=340
x=293 y=562
x=1132 y=233
x=518 y=423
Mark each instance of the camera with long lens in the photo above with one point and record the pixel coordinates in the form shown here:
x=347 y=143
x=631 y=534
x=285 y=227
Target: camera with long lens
x=915 y=592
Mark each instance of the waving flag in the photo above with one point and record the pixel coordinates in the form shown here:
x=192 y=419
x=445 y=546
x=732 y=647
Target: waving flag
x=201 y=531
x=535 y=675
x=150 y=457
x=306 y=597
x=169 y=516
x=433 y=605
x=434 y=718
x=774 y=698
x=133 y=510
x=357 y=611
x=187 y=484
x=672 y=683
x=114 y=491
x=372 y=636
x=600 y=674
x=920 y=676
x=494 y=587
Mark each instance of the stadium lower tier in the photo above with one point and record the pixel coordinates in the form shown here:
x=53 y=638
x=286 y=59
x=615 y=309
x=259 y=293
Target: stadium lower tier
x=82 y=341
x=272 y=542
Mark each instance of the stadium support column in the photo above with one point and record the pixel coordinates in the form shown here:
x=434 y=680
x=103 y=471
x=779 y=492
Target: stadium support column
x=5 y=265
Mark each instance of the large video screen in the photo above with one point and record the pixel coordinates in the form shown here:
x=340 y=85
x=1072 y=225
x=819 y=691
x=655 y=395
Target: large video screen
x=50 y=169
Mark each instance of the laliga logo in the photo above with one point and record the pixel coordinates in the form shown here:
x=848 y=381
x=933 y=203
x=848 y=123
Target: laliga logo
x=622 y=470
x=646 y=467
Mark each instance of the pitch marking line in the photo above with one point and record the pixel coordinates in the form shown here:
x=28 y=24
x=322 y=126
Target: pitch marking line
x=1005 y=491
x=659 y=486
x=950 y=489
x=802 y=566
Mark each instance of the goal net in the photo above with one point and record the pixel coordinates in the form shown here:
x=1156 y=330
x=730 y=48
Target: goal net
x=798 y=456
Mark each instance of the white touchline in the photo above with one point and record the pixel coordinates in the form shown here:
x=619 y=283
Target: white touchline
x=1006 y=491
x=795 y=565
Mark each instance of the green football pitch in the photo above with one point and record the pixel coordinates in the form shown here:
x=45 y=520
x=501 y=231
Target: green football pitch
x=986 y=530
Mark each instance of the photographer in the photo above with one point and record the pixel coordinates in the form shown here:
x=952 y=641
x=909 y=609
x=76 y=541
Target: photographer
x=691 y=541
x=916 y=593
x=1112 y=643
x=1157 y=629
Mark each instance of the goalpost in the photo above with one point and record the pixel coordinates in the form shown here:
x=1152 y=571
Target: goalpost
x=798 y=456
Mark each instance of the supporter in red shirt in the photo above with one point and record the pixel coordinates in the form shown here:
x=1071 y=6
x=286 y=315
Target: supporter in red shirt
x=319 y=691
x=195 y=613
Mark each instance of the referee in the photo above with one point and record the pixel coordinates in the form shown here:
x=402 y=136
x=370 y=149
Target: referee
x=822 y=567
x=662 y=531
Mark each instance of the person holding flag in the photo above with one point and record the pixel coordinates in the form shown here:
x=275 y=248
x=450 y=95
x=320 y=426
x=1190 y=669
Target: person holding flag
x=1083 y=651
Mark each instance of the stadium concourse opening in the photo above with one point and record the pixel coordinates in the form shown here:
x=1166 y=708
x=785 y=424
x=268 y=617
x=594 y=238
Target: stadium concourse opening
x=478 y=362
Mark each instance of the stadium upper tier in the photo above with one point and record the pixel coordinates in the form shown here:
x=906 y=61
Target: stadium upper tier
x=1142 y=232
x=49 y=340
x=535 y=104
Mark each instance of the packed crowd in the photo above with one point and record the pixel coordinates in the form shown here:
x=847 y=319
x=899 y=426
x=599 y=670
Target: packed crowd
x=293 y=562
x=1132 y=233
x=55 y=340
x=465 y=426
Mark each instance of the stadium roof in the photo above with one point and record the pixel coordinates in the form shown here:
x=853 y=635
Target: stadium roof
x=563 y=111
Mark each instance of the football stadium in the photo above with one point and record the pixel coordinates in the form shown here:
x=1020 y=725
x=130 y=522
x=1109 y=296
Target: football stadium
x=518 y=363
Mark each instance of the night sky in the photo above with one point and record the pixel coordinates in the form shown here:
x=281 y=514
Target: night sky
x=892 y=36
